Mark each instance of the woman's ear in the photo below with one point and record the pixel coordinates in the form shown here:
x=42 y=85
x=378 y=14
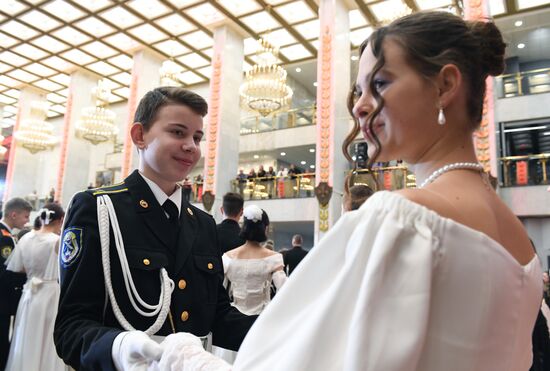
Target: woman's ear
x=137 y=132
x=449 y=82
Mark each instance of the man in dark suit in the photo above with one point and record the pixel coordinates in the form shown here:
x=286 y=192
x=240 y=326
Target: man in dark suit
x=294 y=256
x=163 y=243
x=16 y=215
x=229 y=229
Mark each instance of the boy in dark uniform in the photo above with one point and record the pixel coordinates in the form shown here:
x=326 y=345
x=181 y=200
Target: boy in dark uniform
x=16 y=215
x=154 y=238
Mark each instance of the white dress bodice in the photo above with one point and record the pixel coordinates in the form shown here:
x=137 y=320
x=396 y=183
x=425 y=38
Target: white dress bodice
x=250 y=281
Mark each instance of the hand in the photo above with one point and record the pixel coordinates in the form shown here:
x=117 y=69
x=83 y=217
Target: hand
x=184 y=352
x=135 y=351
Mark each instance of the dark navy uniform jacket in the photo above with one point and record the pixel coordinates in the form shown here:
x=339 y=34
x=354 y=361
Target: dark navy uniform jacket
x=11 y=283
x=86 y=326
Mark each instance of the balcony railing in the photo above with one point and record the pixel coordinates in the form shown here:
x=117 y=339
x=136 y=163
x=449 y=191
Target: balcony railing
x=524 y=83
x=388 y=178
x=517 y=171
x=278 y=187
x=280 y=120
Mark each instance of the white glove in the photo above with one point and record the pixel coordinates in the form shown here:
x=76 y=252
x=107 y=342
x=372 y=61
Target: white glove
x=183 y=351
x=134 y=351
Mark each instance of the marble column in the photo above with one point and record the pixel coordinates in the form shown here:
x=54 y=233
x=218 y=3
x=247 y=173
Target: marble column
x=333 y=82
x=23 y=165
x=74 y=160
x=221 y=157
x=145 y=77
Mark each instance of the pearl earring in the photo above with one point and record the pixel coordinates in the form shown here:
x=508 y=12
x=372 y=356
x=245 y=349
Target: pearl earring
x=441 y=117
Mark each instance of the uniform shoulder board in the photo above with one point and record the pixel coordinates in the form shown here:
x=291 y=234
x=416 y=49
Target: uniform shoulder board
x=5 y=233
x=115 y=188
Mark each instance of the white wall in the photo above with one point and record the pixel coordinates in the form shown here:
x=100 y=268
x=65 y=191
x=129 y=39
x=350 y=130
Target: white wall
x=522 y=108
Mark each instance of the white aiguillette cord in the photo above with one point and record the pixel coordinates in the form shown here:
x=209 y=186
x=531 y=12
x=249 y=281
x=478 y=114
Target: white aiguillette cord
x=106 y=214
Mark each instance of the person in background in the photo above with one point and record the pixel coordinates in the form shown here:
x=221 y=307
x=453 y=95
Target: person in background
x=187 y=187
x=294 y=256
x=270 y=180
x=241 y=181
x=15 y=215
x=251 y=268
x=229 y=229
x=36 y=256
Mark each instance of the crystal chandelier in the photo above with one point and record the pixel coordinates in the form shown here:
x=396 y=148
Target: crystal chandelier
x=169 y=72
x=97 y=124
x=35 y=134
x=264 y=89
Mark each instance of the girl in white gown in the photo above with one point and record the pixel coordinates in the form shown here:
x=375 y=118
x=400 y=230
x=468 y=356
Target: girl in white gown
x=250 y=269
x=437 y=278
x=32 y=346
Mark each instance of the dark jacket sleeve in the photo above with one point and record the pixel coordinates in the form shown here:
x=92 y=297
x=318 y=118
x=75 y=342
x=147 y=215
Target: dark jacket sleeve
x=80 y=338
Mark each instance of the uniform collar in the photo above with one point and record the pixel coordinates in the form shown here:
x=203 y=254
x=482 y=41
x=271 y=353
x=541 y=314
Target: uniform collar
x=161 y=196
x=3 y=222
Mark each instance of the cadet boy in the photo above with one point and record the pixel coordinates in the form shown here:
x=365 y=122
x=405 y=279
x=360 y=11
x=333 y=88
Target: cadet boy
x=16 y=215
x=146 y=235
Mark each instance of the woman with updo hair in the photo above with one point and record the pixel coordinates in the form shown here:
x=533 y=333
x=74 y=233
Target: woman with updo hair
x=32 y=346
x=250 y=269
x=442 y=277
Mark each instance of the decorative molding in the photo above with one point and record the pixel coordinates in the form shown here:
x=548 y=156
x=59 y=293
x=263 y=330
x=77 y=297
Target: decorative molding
x=213 y=124
x=64 y=145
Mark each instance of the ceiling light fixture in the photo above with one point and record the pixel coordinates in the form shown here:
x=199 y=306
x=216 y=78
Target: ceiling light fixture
x=35 y=134
x=264 y=89
x=518 y=23
x=97 y=123
x=354 y=57
x=521 y=45
x=298 y=69
x=169 y=74
x=283 y=153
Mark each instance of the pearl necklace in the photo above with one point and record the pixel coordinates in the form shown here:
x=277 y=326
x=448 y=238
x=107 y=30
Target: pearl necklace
x=449 y=167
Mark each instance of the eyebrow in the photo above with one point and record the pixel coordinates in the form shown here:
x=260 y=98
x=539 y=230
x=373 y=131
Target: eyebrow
x=183 y=126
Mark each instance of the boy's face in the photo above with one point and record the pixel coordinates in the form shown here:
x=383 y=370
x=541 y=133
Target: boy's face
x=172 y=144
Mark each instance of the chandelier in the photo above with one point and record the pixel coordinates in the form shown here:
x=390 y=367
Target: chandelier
x=97 y=124
x=169 y=72
x=264 y=89
x=35 y=134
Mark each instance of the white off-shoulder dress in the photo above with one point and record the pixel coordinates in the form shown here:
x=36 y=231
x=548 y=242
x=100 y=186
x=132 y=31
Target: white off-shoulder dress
x=32 y=346
x=394 y=286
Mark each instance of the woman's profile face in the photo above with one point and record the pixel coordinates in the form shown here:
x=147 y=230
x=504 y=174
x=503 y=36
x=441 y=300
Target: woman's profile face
x=405 y=127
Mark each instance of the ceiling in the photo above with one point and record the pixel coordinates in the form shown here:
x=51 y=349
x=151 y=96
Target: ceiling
x=43 y=41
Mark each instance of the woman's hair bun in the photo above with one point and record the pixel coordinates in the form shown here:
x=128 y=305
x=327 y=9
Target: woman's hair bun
x=491 y=46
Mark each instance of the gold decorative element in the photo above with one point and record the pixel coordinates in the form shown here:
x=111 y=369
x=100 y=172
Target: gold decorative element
x=97 y=123
x=143 y=204
x=35 y=134
x=264 y=89
x=323 y=218
x=182 y=284
x=189 y=211
x=146 y=261
x=184 y=316
x=210 y=266
x=213 y=121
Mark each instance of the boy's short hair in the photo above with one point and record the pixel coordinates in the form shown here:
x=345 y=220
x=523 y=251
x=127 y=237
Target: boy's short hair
x=16 y=204
x=232 y=204
x=155 y=99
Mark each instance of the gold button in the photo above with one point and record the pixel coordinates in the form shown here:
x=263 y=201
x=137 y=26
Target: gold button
x=184 y=316
x=143 y=204
x=146 y=261
x=182 y=284
x=190 y=211
x=210 y=266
